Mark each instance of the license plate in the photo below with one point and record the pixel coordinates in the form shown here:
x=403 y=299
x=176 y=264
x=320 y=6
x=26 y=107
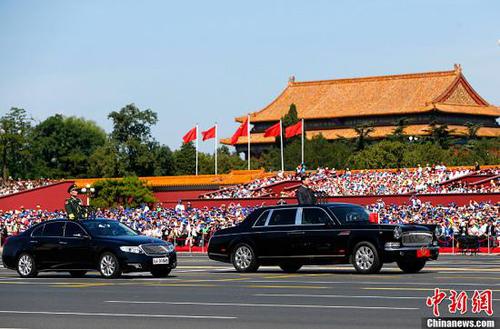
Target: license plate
x=160 y=261
x=424 y=252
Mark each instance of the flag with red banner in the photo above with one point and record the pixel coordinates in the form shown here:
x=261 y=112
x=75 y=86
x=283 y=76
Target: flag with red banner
x=189 y=136
x=273 y=131
x=242 y=131
x=294 y=130
x=208 y=134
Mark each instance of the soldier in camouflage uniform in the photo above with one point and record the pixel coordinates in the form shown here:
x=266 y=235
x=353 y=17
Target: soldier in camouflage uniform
x=73 y=205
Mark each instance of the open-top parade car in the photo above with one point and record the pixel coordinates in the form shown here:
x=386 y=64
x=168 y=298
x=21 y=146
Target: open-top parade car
x=76 y=247
x=295 y=235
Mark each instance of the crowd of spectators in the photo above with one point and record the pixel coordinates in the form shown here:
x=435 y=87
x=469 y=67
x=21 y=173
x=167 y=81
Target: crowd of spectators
x=10 y=185
x=331 y=182
x=188 y=226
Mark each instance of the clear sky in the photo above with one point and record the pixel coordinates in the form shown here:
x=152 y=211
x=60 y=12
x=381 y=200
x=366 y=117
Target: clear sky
x=206 y=61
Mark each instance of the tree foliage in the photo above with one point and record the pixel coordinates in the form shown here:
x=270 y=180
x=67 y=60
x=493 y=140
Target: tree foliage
x=127 y=192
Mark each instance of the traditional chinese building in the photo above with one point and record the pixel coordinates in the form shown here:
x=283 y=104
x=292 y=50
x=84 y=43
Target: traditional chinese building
x=334 y=107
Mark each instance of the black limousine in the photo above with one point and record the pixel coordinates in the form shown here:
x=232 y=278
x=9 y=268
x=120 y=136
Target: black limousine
x=77 y=247
x=291 y=236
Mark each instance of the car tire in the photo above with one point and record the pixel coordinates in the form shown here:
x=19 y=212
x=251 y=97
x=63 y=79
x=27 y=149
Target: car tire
x=244 y=259
x=411 y=265
x=109 y=266
x=365 y=258
x=77 y=274
x=290 y=268
x=161 y=273
x=26 y=266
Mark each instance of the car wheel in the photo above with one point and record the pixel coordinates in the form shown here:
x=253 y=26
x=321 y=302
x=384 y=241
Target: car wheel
x=243 y=258
x=290 y=268
x=26 y=266
x=109 y=266
x=411 y=265
x=365 y=258
x=161 y=273
x=77 y=274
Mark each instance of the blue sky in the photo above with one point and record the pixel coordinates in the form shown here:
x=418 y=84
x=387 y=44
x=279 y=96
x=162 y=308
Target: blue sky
x=206 y=61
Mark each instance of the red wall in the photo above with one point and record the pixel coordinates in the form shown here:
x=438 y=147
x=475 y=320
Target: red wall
x=49 y=197
x=435 y=199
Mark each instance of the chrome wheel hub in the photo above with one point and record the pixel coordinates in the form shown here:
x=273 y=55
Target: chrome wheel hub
x=108 y=265
x=364 y=257
x=243 y=257
x=25 y=265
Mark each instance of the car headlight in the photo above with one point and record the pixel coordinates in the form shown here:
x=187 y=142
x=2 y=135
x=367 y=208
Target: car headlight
x=132 y=249
x=398 y=232
x=170 y=247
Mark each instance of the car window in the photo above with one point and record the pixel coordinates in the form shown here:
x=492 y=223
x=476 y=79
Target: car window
x=38 y=231
x=350 y=214
x=282 y=217
x=53 y=229
x=73 y=230
x=261 y=221
x=314 y=216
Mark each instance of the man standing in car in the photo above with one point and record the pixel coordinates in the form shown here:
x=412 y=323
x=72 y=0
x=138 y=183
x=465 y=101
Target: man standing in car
x=73 y=205
x=304 y=194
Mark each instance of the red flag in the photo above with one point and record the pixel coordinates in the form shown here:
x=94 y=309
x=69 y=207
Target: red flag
x=294 y=130
x=273 y=131
x=208 y=134
x=242 y=131
x=189 y=136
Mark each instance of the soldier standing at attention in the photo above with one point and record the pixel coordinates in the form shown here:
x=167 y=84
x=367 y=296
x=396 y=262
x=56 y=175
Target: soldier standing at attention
x=73 y=205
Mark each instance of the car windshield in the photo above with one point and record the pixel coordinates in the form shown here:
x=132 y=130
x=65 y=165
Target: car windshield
x=108 y=228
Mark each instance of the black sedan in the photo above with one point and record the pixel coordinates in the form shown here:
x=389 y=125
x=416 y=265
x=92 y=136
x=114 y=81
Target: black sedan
x=291 y=236
x=77 y=247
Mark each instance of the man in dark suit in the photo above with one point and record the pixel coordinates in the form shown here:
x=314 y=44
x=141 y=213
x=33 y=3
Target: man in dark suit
x=305 y=195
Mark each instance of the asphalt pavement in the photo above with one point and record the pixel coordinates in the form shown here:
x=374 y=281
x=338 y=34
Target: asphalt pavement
x=206 y=294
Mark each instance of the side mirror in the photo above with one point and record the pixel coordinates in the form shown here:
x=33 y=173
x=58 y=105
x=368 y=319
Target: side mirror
x=373 y=218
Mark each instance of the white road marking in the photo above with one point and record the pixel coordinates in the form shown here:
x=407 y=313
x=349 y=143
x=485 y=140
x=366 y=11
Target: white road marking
x=131 y=315
x=374 y=283
x=344 y=296
x=267 y=305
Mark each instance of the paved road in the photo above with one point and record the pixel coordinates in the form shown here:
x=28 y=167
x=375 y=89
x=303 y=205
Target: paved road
x=206 y=294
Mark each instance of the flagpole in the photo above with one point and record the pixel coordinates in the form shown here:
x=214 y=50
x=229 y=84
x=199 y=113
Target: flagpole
x=281 y=139
x=215 y=148
x=196 y=150
x=248 y=137
x=302 y=137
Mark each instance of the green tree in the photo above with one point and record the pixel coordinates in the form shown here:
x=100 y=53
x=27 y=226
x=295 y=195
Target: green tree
x=398 y=133
x=138 y=151
x=291 y=117
x=62 y=146
x=127 y=192
x=184 y=159
x=439 y=134
x=385 y=154
x=15 y=152
x=363 y=132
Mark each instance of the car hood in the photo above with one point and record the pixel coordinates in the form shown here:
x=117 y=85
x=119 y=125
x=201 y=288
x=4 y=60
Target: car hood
x=130 y=240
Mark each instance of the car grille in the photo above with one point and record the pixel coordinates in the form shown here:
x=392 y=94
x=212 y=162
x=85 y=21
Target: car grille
x=415 y=239
x=154 y=249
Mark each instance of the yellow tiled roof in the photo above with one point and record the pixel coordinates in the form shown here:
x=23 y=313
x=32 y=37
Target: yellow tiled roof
x=446 y=91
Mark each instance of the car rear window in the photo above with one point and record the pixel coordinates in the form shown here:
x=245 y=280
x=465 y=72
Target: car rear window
x=53 y=229
x=261 y=221
x=314 y=216
x=350 y=214
x=282 y=217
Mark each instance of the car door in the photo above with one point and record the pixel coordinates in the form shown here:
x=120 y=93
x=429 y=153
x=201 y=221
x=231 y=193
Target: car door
x=272 y=239
x=320 y=233
x=353 y=219
x=75 y=247
x=48 y=249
